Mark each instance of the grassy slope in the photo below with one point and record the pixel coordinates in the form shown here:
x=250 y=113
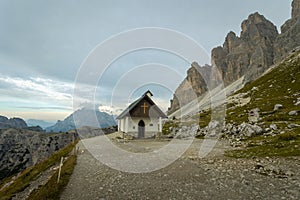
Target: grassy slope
x=276 y=87
x=279 y=86
x=32 y=173
x=52 y=189
x=287 y=144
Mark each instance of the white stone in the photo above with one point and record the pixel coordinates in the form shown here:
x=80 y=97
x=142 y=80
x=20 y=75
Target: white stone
x=293 y=113
x=273 y=127
x=278 y=106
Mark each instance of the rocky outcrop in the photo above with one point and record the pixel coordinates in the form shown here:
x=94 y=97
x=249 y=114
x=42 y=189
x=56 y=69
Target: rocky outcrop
x=192 y=86
x=83 y=117
x=12 y=123
x=20 y=148
x=289 y=38
x=295 y=9
x=258 y=47
x=250 y=54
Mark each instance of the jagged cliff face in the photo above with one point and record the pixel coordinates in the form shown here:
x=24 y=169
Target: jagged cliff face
x=296 y=9
x=290 y=34
x=258 y=47
x=21 y=148
x=250 y=54
x=192 y=86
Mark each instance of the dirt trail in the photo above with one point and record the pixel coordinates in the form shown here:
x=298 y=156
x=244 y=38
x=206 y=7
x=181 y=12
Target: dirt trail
x=213 y=177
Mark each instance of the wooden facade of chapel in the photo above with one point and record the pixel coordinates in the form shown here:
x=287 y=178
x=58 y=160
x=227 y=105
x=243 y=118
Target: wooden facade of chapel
x=142 y=118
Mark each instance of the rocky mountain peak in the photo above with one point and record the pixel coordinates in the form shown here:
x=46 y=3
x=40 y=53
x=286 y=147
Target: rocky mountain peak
x=289 y=38
x=192 y=86
x=254 y=18
x=231 y=41
x=249 y=55
x=296 y=9
x=257 y=26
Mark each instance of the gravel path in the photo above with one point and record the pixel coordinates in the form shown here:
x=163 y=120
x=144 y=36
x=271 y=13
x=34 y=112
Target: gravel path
x=213 y=177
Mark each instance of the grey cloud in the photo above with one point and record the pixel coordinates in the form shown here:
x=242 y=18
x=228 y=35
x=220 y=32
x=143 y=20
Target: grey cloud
x=45 y=108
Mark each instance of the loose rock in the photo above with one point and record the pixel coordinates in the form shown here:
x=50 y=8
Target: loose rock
x=278 y=106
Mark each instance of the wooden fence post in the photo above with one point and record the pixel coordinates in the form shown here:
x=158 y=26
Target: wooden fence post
x=60 y=166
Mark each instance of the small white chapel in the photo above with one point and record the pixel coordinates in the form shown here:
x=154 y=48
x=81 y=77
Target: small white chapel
x=142 y=118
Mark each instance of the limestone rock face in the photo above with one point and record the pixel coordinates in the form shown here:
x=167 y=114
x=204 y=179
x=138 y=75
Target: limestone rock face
x=258 y=47
x=250 y=54
x=20 y=148
x=296 y=9
x=192 y=86
x=289 y=38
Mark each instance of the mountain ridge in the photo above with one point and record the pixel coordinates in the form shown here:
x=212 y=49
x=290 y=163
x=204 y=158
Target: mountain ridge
x=83 y=117
x=14 y=122
x=258 y=47
x=38 y=122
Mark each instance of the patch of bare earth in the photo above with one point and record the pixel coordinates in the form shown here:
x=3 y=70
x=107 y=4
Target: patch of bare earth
x=213 y=177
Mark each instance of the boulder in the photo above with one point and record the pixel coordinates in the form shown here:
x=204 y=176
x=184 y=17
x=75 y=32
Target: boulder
x=294 y=112
x=293 y=126
x=249 y=130
x=253 y=115
x=298 y=102
x=186 y=132
x=273 y=127
x=277 y=107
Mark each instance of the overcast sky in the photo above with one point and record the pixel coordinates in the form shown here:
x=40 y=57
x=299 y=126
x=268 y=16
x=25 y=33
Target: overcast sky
x=43 y=44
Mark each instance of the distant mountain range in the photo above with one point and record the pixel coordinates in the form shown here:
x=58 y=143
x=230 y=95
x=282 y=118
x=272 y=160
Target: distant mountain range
x=18 y=123
x=37 y=122
x=83 y=117
x=12 y=123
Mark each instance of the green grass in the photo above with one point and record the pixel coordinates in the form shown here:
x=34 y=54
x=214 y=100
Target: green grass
x=32 y=173
x=280 y=86
x=287 y=144
x=53 y=190
x=167 y=125
x=204 y=118
x=284 y=81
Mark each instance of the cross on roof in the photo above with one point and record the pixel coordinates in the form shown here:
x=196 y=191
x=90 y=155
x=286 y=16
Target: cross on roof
x=145 y=107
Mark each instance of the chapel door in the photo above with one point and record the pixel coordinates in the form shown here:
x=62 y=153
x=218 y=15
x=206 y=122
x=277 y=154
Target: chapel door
x=141 y=130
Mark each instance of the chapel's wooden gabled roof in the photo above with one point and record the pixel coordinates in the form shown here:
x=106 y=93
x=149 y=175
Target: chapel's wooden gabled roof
x=136 y=102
